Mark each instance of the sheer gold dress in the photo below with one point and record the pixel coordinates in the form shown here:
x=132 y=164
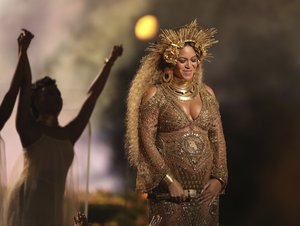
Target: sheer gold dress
x=39 y=197
x=192 y=151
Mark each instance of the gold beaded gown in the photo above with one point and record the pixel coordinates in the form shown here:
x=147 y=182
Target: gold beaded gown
x=192 y=151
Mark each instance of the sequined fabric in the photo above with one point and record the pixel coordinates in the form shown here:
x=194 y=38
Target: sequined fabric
x=193 y=151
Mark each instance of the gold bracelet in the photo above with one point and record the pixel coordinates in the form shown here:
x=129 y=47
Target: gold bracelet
x=108 y=61
x=168 y=179
x=222 y=182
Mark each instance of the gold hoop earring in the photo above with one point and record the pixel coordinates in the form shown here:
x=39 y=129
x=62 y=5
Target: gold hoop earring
x=167 y=77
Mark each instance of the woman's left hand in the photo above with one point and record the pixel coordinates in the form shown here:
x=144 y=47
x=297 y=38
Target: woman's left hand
x=213 y=187
x=116 y=52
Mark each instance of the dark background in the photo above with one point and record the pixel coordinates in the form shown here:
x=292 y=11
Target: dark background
x=255 y=75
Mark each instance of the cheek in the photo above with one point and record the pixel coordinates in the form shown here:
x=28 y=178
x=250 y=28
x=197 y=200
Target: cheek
x=177 y=70
x=195 y=65
x=181 y=67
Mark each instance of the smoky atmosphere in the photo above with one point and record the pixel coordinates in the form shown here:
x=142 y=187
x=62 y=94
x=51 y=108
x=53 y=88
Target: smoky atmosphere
x=254 y=72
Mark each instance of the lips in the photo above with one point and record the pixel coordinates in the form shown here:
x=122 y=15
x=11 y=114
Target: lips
x=188 y=72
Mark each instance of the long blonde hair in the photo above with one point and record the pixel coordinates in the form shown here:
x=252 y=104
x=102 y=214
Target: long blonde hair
x=162 y=53
x=148 y=74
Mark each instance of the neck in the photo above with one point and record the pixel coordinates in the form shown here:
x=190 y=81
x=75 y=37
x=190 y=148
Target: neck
x=182 y=89
x=181 y=83
x=48 y=120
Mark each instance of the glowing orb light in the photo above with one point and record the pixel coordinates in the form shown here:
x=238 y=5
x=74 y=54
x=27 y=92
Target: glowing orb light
x=146 y=27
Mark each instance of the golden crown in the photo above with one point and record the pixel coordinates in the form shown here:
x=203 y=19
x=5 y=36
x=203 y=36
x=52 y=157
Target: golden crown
x=171 y=41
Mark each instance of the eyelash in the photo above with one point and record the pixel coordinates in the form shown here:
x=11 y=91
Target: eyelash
x=183 y=61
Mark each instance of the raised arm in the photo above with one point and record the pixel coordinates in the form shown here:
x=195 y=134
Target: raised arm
x=77 y=125
x=24 y=122
x=9 y=99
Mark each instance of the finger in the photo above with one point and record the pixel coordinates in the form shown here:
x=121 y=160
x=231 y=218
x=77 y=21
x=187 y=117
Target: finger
x=184 y=197
x=159 y=218
x=24 y=31
x=27 y=33
x=205 y=193
x=212 y=201
x=75 y=220
x=204 y=198
x=205 y=187
x=20 y=37
x=156 y=220
x=152 y=219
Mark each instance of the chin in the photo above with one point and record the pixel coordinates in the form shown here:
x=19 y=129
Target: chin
x=188 y=77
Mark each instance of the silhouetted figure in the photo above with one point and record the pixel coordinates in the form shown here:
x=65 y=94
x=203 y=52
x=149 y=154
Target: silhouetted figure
x=6 y=108
x=38 y=197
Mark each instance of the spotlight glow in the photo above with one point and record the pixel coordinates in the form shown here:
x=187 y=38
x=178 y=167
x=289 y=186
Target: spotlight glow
x=146 y=27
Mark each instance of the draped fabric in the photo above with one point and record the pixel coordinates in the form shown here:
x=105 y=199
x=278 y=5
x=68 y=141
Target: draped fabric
x=191 y=150
x=39 y=196
x=2 y=180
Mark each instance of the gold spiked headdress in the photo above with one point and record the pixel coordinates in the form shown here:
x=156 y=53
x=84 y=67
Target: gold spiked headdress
x=171 y=41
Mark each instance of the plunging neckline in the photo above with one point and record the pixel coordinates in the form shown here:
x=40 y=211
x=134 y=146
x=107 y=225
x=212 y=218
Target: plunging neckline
x=182 y=112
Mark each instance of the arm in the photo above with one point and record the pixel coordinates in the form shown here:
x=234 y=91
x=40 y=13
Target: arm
x=149 y=113
x=148 y=120
x=77 y=125
x=219 y=172
x=25 y=121
x=9 y=99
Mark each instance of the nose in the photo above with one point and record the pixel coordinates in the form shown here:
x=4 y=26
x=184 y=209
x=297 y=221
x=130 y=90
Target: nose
x=188 y=64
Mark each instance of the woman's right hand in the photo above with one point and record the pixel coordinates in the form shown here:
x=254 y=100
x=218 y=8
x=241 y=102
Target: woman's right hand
x=116 y=52
x=176 y=191
x=24 y=40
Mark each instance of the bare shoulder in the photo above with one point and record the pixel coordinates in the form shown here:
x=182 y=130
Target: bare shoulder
x=150 y=92
x=210 y=90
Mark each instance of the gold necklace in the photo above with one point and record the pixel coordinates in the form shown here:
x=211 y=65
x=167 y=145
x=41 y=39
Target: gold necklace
x=182 y=90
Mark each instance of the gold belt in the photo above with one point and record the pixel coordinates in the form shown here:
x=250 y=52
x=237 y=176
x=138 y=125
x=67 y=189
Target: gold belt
x=188 y=193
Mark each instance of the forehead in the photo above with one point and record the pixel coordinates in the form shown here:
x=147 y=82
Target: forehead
x=187 y=51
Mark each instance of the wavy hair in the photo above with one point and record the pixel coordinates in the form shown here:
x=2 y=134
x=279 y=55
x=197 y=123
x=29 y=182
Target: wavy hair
x=162 y=54
x=149 y=73
x=35 y=88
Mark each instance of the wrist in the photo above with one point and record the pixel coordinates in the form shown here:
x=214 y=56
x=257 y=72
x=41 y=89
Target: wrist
x=109 y=61
x=221 y=181
x=22 y=50
x=168 y=179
